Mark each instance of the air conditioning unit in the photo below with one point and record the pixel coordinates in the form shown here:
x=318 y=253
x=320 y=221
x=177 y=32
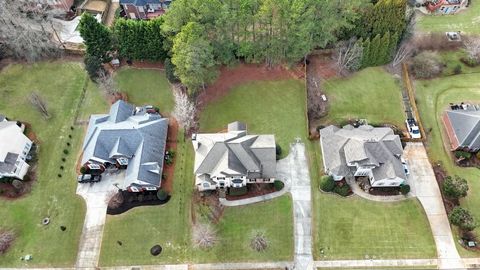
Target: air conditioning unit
x=151 y=10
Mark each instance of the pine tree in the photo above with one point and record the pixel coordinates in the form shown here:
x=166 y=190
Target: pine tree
x=96 y=36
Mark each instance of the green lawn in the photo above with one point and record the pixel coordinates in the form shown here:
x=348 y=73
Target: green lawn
x=146 y=86
x=266 y=107
x=433 y=97
x=371 y=93
x=354 y=228
x=467 y=21
x=273 y=218
x=452 y=59
x=60 y=84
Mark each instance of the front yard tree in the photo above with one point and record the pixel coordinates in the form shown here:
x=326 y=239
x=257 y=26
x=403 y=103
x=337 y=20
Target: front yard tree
x=192 y=55
x=96 y=36
x=184 y=110
x=455 y=187
x=462 y=218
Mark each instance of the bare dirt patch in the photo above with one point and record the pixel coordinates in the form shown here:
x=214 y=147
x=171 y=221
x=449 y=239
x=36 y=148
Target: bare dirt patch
x=230 y=77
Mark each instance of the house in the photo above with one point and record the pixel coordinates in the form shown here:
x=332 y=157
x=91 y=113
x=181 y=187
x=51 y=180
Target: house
x=129 y=138
x=365 y=151
x=98 y=8
x=462 y=126
x=442 y=6
x=233 y=159
x=65 y=5
x=14 y=149
x=144 y=9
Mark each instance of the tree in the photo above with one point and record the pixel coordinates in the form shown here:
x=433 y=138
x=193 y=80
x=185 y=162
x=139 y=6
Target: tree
x=472 y=47
x=96 y=37
x=93 y=65
x=26 y=29
x=327 y=183
x=184 y=111
x=6 y=239
x=404 y=51
x=259 y=241
x=107 y=83
x=192 y=55
x=462 y=218
x=170 y=71
x=349 y=56
x=405 y=189
x=39 y=103
x=455 y=187
x=204 y=236
x=427 y=64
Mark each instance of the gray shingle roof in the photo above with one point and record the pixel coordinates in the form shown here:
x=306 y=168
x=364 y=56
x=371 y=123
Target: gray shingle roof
x=466 y=125
x=139 y=137
x=365 y=145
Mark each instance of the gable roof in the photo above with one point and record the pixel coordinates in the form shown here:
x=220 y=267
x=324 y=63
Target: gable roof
x=466 y=127
x=139 y=137
x=235 y=153
x=342 y=148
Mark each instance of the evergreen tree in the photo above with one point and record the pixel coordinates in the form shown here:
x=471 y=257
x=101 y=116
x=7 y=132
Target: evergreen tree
x=96 y=37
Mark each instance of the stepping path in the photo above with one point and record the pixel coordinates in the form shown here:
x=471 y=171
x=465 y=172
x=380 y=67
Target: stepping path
x=428 y=193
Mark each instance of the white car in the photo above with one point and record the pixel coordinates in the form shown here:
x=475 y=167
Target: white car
x=413 y=129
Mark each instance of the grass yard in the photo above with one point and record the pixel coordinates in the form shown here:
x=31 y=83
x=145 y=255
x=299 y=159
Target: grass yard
x=354 y=228
x=467 y=21
x=371 y=93
x=266 y=107
x=146 y=86
x=273 y=218
x=452 y=59
x=60 y=84
x=433 y=97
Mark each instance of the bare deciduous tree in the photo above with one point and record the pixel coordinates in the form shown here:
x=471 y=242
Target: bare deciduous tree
x=185 y=110
x=204 y=236
x=349 y=56
x=403 y=52
x=106 y=83
x=472 y=47
x=6 y=239
x=26 y=29
x=39 y=103
x=259 y=241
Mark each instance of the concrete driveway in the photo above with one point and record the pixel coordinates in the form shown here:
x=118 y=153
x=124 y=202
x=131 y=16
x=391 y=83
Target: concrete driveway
x=423 y=182
x=95 y=196
x=295 y=168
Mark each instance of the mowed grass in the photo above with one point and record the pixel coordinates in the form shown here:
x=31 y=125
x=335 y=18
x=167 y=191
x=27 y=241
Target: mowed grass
x=60 y=84
x=146 y=87
x=467 y=21
x=371 y=94
x=267 y=107
x=238 y=226
x=433 y=97
x=355 y=228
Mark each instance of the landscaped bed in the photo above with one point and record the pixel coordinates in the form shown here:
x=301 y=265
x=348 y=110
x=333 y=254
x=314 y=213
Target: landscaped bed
x=371 y=94
x=60 y=84
x=433 y=97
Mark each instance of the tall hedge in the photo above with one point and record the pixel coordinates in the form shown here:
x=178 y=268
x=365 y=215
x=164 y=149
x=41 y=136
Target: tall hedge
x=140 y=39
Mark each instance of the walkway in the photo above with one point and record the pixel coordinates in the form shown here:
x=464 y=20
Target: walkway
x=95 y=196
x=428 y=193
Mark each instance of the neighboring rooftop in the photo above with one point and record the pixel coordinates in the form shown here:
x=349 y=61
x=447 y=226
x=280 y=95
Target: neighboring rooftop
x=463 y=128
x=128 y=133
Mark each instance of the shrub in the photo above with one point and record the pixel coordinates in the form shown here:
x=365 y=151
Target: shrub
x=405 y=189
x=463 y=154
x=162 y=195
x=204 y=236
x=65 y=151
x=427 y=64
x=116 y=200
x=17 y=184
x=83 y=170
x=6 y=239
x=342 y=190
x=455 y=187
x=462 y=218
x=278 y=151
x=170 y=71
x=327 y=183
x=457 y=69
x=278 y=185
x=259 y=241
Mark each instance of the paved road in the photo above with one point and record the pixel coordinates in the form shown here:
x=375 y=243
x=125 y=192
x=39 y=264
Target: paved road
x=428 y=193
x=295 y=168
x=95 y=196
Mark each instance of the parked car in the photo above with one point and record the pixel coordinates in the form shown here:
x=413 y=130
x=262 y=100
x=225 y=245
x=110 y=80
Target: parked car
x=413 y=129
x=405 y=167
x=88 y=178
